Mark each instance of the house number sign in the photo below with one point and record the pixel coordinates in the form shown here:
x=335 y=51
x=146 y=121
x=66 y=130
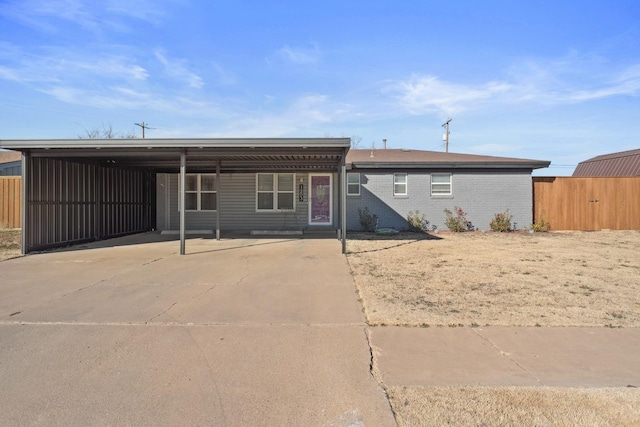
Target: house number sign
x=301 y=193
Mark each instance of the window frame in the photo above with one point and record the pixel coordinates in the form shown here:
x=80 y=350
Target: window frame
x=276 y=191
x=198 y=192
x=349 y=184
x=450 y=183
x=405 y=183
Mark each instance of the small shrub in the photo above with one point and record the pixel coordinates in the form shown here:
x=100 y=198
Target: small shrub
x=457 y=223
x=368 y=221
x=541 y=226
x=501 y=222
x=418 y=222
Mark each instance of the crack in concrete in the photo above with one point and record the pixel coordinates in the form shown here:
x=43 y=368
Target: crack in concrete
x=156 y=316
x=375 y=372
x=508 y=356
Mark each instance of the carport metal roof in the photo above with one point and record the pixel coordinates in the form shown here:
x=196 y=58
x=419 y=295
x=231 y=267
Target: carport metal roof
x=203 y=154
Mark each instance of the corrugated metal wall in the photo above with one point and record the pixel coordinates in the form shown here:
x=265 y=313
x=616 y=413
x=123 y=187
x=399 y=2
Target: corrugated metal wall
x=10 y=169
x=71 y=202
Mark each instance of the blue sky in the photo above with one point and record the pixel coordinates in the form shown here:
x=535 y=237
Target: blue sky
x=551 y=80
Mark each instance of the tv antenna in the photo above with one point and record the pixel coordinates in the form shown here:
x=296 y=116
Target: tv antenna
x=144 y=126
x=445 y=137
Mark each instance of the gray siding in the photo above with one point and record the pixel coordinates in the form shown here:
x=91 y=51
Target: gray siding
x=480 y=194
x=237 y=207
x=11 y=169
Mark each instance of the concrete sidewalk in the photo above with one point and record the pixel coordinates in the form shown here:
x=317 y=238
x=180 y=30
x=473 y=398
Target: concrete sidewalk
x=501 y=356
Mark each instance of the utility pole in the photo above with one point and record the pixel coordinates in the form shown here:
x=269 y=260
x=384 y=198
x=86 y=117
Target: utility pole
x=445 y=137
x=143 y=126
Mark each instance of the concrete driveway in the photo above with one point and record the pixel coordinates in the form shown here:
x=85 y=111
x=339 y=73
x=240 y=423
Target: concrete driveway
x=237 y=332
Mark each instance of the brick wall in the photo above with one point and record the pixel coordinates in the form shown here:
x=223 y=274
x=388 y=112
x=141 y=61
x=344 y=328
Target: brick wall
x=480 y=194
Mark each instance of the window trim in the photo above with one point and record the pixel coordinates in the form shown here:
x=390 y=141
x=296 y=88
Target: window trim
x=405 y=183
x=353 y=183
x=276 y=191
x=198 y=191
x=450 y=183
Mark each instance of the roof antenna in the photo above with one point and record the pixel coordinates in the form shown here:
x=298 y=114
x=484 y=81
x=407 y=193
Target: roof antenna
x=372 y=147
x=445 y=137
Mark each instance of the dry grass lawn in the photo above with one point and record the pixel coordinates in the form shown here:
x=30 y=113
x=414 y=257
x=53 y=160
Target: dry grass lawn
x=512 y=406
x=9 y=244
x=499 y=279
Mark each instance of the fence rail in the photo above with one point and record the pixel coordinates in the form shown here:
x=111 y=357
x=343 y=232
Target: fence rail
x=10 y=202
x=588 y=203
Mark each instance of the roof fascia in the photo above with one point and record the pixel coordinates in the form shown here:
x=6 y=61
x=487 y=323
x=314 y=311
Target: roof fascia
x=230 y=143
x=450 y=165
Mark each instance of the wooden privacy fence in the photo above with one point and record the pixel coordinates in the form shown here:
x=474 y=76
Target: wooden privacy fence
x=588 y=203
x=10 y=201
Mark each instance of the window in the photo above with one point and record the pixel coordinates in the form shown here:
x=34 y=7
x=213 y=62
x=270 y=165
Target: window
x=200 y=192
x=275 y=192
x=353 y=184
x=399 y=184
x=441 y=184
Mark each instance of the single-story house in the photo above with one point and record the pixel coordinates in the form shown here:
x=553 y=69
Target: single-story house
x=391 y=183
x=81 y=190
x=10 y=162
x=624 y=163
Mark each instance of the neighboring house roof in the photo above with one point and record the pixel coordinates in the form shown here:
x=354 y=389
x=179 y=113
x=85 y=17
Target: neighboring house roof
x=400 y=158
x=10 y=156
x=624 y=163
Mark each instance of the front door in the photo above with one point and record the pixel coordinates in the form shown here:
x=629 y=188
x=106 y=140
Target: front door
x=320 y=200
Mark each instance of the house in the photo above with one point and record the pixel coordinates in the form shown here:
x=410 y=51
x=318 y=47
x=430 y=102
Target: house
x=83 y=190
x=10 y=162
x=625 y=163
x=392 y=182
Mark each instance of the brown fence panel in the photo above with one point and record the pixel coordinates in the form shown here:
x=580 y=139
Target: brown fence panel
x=10 y=201
x=588 y=203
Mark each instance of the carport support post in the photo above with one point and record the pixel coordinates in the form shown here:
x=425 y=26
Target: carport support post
x=23 y=215
x=218 y=200
x=183 y=184
x=343 y=202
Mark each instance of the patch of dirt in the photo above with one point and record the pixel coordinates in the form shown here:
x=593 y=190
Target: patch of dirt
x=499 y=279
x=9 y=244
x=513 y=406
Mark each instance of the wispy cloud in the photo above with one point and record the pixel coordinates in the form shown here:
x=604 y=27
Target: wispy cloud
x=46 y=15
x=178 y=69
x=56 y=65
x=548 y=83
x=429 y=94
x=299 y=55
x=309 y=114
x=103 y=80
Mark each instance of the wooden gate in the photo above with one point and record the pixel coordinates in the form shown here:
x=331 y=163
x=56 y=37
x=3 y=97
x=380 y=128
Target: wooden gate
x=10 y=201
x=588 y=203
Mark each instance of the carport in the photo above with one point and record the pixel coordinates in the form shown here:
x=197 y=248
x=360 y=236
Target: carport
x=81 y=190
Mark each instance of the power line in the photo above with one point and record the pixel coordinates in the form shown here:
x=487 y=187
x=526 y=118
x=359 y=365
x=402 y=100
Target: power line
x=143 y=126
